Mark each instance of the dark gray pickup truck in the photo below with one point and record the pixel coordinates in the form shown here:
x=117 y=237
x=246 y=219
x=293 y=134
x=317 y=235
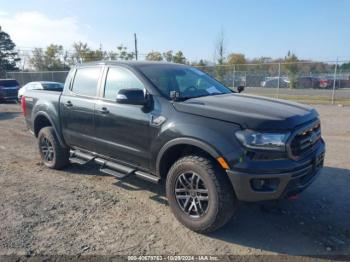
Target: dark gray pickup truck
x=171 y=123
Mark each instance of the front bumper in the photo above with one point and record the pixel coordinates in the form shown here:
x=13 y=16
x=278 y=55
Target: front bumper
x=285 y=183
x=8 y=98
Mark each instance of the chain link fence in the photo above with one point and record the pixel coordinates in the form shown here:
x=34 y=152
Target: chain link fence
x=307 y=82
x=26 y=77
x=321 y=83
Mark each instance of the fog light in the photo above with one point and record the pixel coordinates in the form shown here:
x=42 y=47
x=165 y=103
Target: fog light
x=264 y=184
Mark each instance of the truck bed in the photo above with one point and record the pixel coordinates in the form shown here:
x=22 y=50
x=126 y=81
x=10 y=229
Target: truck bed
x=41 y=102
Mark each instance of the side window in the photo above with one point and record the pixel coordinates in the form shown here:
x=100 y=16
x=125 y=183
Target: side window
x=120 y=78
x=85 y=81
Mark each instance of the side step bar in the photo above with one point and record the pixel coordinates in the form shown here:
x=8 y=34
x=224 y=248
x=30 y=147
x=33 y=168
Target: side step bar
x=111 y=168
x=80 y=157
x=114 y=169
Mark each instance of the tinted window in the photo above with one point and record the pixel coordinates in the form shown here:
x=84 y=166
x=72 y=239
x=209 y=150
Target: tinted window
x=120 y=78
x=53 y=86
x=8 y=83
x=85 y=81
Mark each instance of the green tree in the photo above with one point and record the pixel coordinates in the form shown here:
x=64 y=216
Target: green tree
x=83 y=53
x=37 y=61
x=8 y=56
x=345 y=66
x=154 y=56
x=168 y=56
x=52 y=58
x=94 y=55
x=123 y=53
x=179 y=58
x=201 y=63
x=80 y=52
x=236 y=59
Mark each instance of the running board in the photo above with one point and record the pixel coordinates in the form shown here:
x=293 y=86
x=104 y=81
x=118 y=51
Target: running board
x=113 y=173
x=114 y=169
x=148 y=177
x=111 y=168
x=80 y=158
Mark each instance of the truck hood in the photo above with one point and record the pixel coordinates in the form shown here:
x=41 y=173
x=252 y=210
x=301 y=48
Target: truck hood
x=254 y=112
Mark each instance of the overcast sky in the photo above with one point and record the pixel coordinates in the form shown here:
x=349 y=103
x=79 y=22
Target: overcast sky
x=313 y=29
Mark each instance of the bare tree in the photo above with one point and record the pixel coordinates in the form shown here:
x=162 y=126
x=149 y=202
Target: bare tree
x=220 y=50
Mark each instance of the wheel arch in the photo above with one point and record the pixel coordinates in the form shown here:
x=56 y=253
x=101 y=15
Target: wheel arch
x=41 y=120
x=177 y=147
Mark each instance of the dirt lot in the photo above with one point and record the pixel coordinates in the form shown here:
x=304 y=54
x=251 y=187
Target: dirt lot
x=81 y=211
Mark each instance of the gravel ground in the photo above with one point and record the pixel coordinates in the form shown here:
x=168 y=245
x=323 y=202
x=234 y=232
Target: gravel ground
x=80 y=211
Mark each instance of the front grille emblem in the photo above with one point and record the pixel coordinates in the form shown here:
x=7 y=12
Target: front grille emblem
x=313 y=138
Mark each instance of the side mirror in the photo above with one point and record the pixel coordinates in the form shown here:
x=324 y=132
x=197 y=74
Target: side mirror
x=131 y=97
x=240 y=89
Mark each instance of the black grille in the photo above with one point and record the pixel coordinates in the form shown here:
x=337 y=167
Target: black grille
x=10 y=92
x=305 y=138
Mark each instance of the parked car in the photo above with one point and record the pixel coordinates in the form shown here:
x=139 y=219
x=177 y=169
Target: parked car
x=308 y=82
x=172 y=123
x=273 y=82
x=325 y=83
x=40 y=85
x=8 y=89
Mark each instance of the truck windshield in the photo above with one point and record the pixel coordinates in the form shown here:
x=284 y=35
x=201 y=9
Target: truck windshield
x=188 y=81
x=8 y=83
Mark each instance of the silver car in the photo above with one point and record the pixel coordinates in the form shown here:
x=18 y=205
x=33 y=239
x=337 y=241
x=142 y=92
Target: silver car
x=40 y=85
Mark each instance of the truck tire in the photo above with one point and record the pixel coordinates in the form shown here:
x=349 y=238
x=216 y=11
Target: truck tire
x=200 y=194
x=52 y=153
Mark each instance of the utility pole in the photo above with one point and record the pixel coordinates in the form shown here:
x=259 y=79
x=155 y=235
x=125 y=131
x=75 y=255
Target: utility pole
x=136 y=52
x=279 y=79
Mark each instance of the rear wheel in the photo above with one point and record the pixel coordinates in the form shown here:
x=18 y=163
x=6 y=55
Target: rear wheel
x=200 y=194
x=52 y=153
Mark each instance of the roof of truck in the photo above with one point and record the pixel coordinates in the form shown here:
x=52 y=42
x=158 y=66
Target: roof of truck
x=129 y=63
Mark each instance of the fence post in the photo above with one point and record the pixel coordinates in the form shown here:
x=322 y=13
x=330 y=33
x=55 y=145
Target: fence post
x=279 y=77
x=334 y=80
x=233 y=76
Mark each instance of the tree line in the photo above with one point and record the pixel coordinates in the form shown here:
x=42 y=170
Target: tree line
x=55 y=57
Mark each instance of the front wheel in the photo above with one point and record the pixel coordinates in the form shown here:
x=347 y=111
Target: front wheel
x=52 y=153
x=200 y=194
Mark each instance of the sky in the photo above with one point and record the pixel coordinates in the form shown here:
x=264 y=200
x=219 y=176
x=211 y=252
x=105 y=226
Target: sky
x=312 y=29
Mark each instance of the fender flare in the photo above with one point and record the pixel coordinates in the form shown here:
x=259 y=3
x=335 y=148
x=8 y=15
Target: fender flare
x=46 y=115
x=184 y=141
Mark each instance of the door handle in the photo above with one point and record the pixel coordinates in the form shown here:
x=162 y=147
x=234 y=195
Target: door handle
x=68 y=104
x=104 y=110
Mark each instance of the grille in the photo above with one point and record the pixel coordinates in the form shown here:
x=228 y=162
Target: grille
x=9 y=91
x=305 y=138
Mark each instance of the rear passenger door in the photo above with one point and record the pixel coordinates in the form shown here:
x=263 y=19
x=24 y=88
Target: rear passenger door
x=77 y=107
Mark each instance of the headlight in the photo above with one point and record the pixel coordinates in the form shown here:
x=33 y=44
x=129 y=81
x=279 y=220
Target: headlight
x=265 y=141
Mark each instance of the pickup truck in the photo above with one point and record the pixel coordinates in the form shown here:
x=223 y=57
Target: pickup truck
x=8 y=90
x=175 y=125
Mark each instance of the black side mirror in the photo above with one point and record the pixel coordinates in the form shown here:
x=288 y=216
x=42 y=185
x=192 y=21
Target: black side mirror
x=131 y=97
x=240 y=89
